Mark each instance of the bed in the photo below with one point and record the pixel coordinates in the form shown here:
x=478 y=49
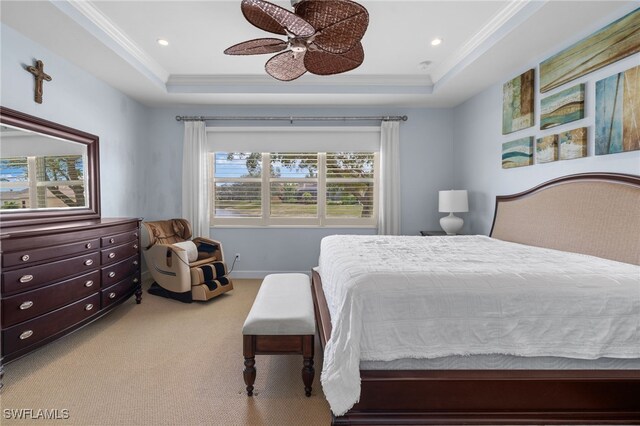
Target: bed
x=595 y=215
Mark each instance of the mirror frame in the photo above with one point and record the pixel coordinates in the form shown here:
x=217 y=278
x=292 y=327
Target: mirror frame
x=28 y=122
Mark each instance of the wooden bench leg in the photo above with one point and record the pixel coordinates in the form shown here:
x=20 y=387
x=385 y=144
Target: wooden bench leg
x=307 y=370
x=249 y=372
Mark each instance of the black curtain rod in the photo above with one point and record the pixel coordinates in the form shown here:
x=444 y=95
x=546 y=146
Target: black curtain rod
x=294 y=118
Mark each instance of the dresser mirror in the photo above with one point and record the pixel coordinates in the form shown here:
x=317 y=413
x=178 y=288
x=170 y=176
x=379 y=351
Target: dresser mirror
x=48 y=172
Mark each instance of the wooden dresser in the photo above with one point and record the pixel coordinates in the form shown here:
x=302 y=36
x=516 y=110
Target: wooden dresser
x=58 y=277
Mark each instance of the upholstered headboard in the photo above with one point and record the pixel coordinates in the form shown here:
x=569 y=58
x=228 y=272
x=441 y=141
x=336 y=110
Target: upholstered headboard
x=593 y=213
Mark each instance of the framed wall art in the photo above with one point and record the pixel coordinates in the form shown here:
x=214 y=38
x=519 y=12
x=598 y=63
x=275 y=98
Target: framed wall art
x=517 y=103
x=563 y=107
x=547 y=149
x=618 y=113
x=573 y=144
x=606 y=46
x=517 y=153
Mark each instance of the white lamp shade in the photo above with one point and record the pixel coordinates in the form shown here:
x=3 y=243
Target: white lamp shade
x=453 y=201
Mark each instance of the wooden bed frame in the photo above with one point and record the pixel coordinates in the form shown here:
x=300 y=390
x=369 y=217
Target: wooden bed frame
x=488 y=397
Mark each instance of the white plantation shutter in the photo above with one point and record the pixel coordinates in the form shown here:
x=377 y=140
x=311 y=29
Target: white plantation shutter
x=293 y=185
x=310 y=176
x=350 y=182
x=234 y=191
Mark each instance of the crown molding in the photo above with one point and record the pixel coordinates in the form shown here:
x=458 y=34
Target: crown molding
x=502 y=23
x=355 y=84
x=89 y=17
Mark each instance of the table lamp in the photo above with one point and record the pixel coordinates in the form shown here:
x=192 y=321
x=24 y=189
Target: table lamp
x=452 y=202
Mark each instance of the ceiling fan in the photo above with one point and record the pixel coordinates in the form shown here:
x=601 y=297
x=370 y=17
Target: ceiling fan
x=323 y=36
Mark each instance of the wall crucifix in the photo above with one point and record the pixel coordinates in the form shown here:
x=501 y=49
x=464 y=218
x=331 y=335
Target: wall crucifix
x=40 y=75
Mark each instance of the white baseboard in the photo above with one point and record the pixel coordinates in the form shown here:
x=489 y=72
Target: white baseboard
x=262 y=274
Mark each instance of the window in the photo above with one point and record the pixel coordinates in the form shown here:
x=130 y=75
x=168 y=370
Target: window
x=42 y=182
x=293 y=188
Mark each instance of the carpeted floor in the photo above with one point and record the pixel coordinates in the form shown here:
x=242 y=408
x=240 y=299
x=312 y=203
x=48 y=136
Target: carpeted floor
x=163 y=362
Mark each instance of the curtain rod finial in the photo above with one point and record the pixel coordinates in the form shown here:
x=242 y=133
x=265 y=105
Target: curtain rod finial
x=178 y=118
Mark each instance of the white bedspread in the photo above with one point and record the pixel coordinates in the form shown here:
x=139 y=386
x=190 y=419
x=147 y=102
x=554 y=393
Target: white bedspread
x=427 y=297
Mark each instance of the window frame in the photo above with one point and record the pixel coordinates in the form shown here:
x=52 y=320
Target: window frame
x=320 y=221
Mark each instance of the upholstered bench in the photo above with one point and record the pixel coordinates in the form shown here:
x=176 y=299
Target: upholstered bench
x=281 y=321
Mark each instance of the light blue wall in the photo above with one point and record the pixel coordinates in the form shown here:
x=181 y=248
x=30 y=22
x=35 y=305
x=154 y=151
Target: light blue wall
x=77 y=99
x=478 y=139
x=426 y=158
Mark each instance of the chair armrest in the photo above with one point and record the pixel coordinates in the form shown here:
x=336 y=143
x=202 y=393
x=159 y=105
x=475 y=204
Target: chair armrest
x=216 y=252
x=169 y=267
x=169 y=259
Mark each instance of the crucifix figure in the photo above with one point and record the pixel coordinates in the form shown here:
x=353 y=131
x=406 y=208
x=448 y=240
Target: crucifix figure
x=39 y=74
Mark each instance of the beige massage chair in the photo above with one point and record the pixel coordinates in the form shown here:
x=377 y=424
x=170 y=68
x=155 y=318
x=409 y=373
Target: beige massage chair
x=183 y=269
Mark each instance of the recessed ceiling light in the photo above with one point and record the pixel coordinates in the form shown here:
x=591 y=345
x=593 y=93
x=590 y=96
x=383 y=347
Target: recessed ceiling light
x=163 y=42
x=436 y=41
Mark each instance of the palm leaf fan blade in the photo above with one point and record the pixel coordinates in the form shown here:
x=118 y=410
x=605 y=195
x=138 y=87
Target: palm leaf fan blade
x=286 y=66
x=275 y=19
x=325 y=63
x=257 y=46
x=339 y=24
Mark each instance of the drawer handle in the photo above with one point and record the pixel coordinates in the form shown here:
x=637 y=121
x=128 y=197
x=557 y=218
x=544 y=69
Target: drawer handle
x=112 y=240
x=112 y=255
x=135 y=246
x=26 y=305
x=135 y=262
x=88 y=245
x=88 y=283
x=26 y=334
x=88 y=262
x=135 y=280
x=25 y=258
x=88 y=307
x=112 y=295
x=135 y=234
x=112 y=274
x=26 y=278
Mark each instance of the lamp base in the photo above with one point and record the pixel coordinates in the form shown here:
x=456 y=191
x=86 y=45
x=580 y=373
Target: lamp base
x=451 y=224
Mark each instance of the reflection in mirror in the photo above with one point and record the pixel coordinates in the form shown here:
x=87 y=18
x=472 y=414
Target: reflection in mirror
x=48 y=172
x=41 y=172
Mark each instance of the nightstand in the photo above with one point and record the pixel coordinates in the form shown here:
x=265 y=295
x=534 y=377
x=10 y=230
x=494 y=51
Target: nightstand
x=433 y=233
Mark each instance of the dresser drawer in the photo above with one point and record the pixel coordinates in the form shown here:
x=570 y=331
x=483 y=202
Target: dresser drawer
x=119 y=271
x=118 y=291
x=117 y=239
x=37 y=276
x=29 y=256
x=30 y=304
x=30 y=332
x=116 y=254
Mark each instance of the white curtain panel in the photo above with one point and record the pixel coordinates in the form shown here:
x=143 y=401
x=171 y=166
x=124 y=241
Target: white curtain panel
x=195 y=203
x=389 y=195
